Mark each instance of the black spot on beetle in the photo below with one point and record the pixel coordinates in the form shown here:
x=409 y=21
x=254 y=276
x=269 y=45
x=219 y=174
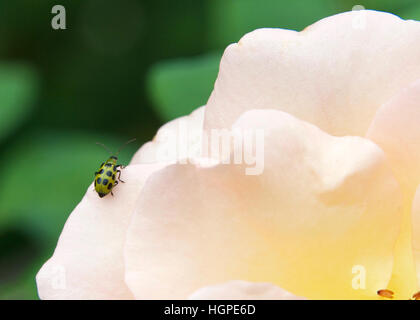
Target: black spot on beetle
x=101 y=171
x=99 y=180
x=109 y=173
x=105 y=182
x=110 y=186
x=113 y=177
x=101 y=194
x=108 y=165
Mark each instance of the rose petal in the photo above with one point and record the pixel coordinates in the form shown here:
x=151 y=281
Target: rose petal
x=334 y=74
x=322 y=208
x=396 y=130
x=176 y=140
x=243 y=290
x=416 y=235
x=88 y=260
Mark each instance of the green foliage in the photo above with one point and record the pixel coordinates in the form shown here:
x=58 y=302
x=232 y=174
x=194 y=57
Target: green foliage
x=20 y=259
x=381 y=5
x=46 y=176
x=18 y=89
x=230 y=19
x=24 y=287
x=412 y=12
x=179 y=86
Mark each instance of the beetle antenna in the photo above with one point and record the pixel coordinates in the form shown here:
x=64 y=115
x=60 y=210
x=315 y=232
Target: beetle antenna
x=104 y=146
x=129 y=141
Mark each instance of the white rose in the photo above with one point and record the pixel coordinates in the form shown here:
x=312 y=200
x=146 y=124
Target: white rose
x=333 y=214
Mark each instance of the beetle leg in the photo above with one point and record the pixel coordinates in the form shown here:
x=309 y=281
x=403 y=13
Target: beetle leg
x=119 y=176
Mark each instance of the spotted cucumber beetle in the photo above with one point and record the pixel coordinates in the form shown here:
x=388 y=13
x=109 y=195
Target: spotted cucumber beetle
x=106 y=177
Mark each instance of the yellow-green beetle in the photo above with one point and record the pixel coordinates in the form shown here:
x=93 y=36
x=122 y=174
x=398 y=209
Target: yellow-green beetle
x=108 y=175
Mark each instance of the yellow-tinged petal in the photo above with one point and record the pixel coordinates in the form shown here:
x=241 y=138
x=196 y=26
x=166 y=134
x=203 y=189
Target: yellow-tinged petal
x=396 y=130
x=416 y=234
x=321 y=220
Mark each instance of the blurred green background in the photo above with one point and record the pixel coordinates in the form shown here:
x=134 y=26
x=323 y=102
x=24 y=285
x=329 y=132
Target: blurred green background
x=120 y=70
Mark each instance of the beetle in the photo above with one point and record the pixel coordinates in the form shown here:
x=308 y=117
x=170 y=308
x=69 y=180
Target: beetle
x=109 y=173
